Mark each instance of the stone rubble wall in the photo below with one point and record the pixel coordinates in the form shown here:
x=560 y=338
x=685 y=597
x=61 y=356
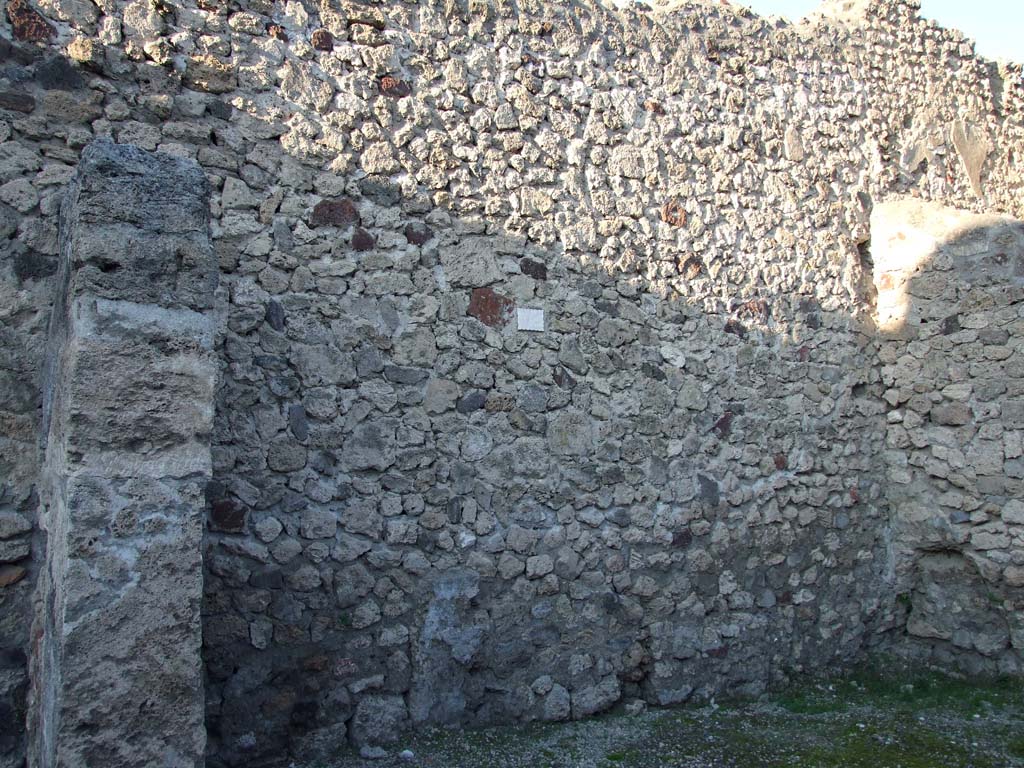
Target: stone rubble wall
x=951 y=310
x=425 y=511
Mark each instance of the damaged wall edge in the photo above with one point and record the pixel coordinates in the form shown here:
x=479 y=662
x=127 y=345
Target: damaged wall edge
x=131 y=373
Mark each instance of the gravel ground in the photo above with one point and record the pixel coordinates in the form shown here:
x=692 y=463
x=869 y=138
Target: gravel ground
x=920 y=722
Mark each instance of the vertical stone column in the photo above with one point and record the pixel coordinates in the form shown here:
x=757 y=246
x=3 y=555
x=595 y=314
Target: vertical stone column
x=128 y=411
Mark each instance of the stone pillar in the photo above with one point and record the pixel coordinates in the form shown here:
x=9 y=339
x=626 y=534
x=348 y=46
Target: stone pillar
x=128 y=412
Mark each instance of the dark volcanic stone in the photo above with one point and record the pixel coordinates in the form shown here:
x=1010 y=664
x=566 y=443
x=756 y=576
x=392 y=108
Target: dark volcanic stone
x=736 y=328
x=363 y=240
x=17 y=102
x=334 y=213
x=58 y=74
x=30 y=264
x=418 y=234
x=227 y=515
x=707 y=489
x=297 y=422
x=219 y=109
x=472 y=401
x=380 y=190
x=275 y=315
x=399 y=375
x=538 y=270
x=724 y=425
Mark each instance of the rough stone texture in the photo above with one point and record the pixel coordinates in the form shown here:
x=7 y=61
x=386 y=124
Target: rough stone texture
x=128 y=410
x=951 y=301
x=681 y=487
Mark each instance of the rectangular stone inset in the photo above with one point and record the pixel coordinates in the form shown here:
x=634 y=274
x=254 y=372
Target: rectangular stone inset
x=530 y=319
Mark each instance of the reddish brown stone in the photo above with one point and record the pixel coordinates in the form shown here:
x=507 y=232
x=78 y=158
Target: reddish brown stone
x=27 y=24
x=804 y=353
x=490 y=308
x=719 y=653
x=724 y=425
x=334 y=213
x=418 y=234
x=781 y=462
x=227 y=515
x=672 y=212
x=855 y=495
x=17 y=102
x=393 y=87
x=10 y=575
x=692 y=267
x=538 y=270
x=654 y=107
x=362 y=240
x=322 y=40
x=277 y=32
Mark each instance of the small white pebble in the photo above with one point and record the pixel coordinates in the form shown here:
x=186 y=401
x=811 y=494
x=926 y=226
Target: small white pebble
x=407 y=754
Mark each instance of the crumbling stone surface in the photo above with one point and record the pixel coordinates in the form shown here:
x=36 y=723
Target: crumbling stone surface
x=679 y=487
x=130 y=380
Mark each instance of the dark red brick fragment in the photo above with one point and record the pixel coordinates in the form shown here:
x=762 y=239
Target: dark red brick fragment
x=672 y=212
x=393 y=87
x=719 y=653
x=682 y=538
x=334 y=213
x=490 y=308
x=277 y=32
x=322 y=40
x=27 y=24
x=538 y=270
x=227 y=515
x=17 y=102
x=363 y=240
x=724 y=425
x=781 y=462
x=418 y=234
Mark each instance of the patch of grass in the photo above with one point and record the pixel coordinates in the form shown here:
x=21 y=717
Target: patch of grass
x=903 y=690
x=1016 y=746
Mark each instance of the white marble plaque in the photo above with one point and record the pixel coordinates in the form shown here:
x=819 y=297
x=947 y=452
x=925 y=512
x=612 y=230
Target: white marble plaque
x=530 y=319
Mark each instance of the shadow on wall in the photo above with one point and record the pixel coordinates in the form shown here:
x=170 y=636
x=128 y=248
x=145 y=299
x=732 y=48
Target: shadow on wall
x=951 y=318
x=423 y=512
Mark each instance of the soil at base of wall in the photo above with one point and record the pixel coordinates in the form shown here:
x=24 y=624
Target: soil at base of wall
x=922 y=720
